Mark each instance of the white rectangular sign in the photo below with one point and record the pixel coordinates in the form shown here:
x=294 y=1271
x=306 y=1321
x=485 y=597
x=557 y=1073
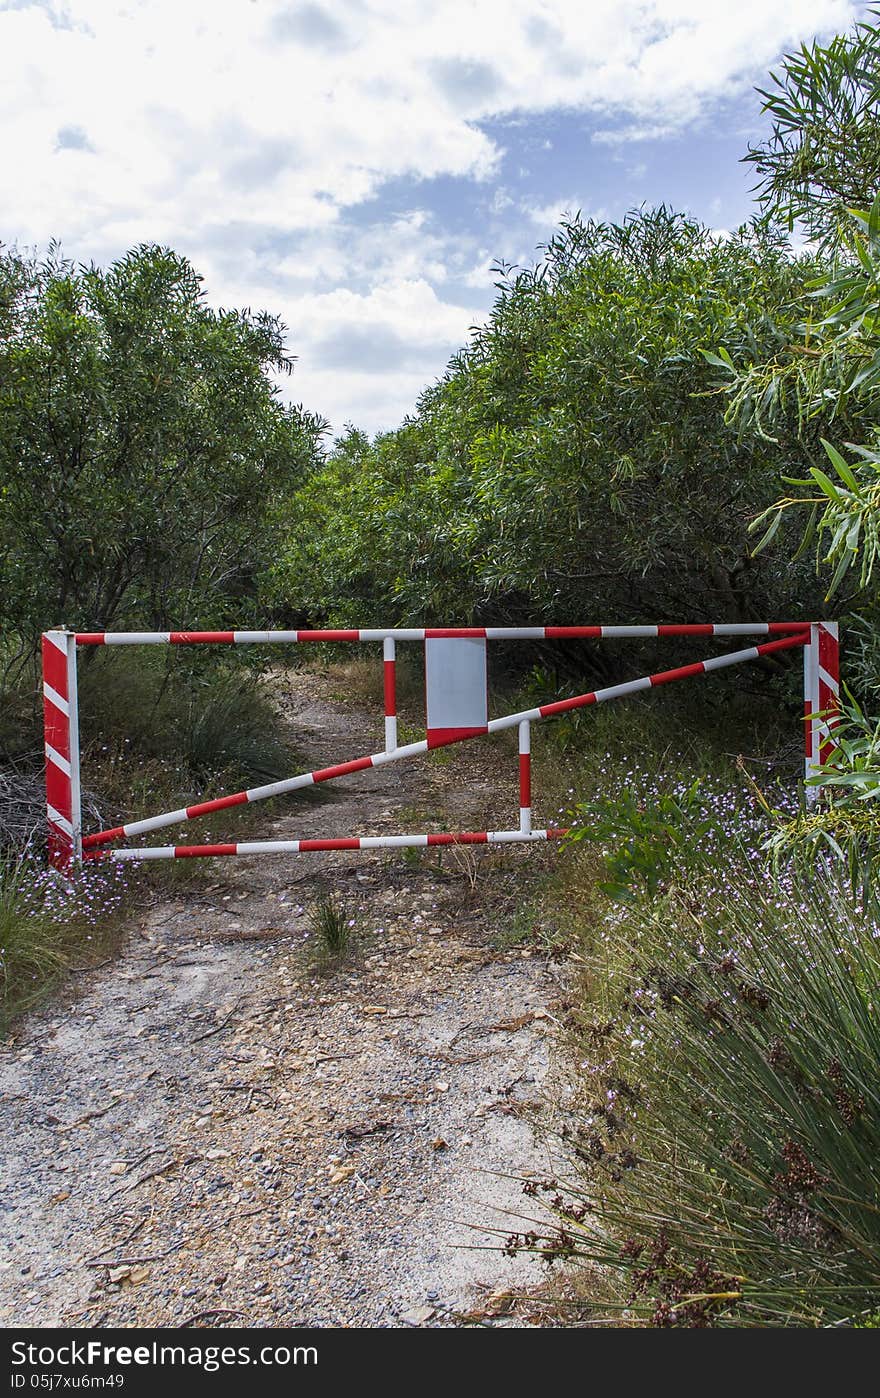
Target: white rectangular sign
x=455 y=687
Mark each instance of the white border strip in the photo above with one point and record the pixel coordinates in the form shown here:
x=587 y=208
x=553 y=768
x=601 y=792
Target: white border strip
x=56 y=818
x=55 y=698
x=59 y=761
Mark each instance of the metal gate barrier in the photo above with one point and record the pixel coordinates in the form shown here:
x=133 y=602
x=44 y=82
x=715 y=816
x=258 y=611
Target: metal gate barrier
x=456 y=693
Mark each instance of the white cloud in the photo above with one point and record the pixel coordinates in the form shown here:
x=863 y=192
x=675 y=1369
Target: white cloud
x=480 y=275
x=373 y=404
x=551 y=215
x=501 y=199
x=250 y=135
x=365 y=357
x=633 y=131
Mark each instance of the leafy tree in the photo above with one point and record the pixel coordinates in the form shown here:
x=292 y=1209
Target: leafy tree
x=821 y=166
x=144 y=446
x=574 y=459
x=823 y=154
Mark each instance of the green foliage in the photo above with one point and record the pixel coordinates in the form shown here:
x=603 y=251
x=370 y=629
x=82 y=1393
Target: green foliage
x=144 y=447
x=822 y=167
x=853 y=768
x=646 y=837
x=144 y=450
x=841 y=833
x=832 y=376
x=823 y=154
x=863 y=651
x=844 y=826
x=847 y=511
x=574 y=456
x=167 y=726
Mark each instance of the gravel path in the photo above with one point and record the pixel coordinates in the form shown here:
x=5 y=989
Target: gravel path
x=212 y=1133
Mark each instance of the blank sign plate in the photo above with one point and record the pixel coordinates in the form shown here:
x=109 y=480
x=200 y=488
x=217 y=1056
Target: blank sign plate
x=455 y=688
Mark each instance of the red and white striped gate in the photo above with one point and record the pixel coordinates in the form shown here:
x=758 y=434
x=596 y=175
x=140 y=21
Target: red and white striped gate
x=456 y=711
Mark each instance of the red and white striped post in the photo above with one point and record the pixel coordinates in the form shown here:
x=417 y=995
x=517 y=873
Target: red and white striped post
x=389 y=665
x=525 y=777
x=821 y=699
x=61 y=734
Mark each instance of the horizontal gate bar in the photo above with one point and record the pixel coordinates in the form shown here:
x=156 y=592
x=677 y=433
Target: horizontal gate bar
x=491 y=633
x=467 y=837
x=379 y=759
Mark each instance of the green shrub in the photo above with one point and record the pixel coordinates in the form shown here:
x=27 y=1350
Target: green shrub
x=145 y=447
x=646 y=838
x=574 y=457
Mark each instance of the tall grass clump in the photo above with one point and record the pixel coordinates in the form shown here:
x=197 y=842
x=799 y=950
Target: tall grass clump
x=333 y=931
x=46 y=925
x=723 y=1166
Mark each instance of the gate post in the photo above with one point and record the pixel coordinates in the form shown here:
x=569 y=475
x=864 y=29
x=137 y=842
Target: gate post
x=390 y=675
x=821 y=699
x=525 y=777
x=61 y=737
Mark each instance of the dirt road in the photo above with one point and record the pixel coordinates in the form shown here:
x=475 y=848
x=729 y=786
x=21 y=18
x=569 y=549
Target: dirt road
x=210 y=1133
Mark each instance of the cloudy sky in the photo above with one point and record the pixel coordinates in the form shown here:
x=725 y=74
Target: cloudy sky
x=355 y=166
